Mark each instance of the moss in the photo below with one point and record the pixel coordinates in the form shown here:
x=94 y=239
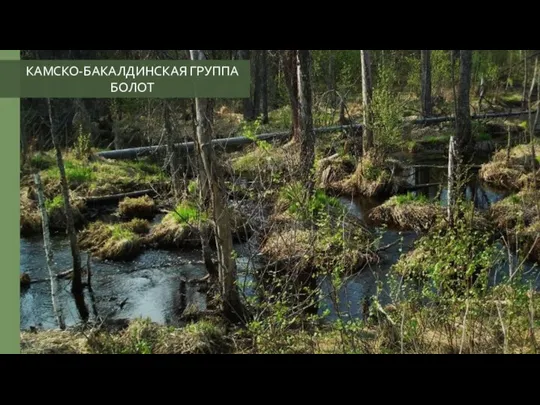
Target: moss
x=116 y=242
x=138 y=225
x=516 y=209
x=407 y=212
x=142 y=207
x=331 y=172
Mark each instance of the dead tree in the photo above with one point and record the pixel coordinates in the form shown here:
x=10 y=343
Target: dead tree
x=231 y=304
x=463 y=111
x=76 y=285
x=48 y=251
x=290 y=73
x=427 y=105
x=367 y=95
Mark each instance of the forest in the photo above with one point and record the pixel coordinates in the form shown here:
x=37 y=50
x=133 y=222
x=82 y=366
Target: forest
x=358 y=202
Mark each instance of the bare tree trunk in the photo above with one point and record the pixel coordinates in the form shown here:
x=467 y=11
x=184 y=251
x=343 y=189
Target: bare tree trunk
x=451 y=182
x=291 y=81
x=367 y=95
x=48 y=251
x=220 y=210
x=264 y=86
x=76 y=285
x=532 y=123
x=524 y=95
x=331 y=78
x=172 y=153
x=463 y=113
x=427 y=105
x=307 y=135
x=248 y=109
x=257 y=82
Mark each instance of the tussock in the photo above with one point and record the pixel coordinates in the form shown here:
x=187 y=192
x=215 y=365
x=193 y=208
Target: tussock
x=142 y=207
x=406 y=214
x=111 y=241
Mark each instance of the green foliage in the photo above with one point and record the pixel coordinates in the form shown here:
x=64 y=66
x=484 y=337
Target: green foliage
x=403 y=199
x=187 y=213
x=304 y=206
x=387 y=109
x=82 y=148
x=42 y=161
x=56 y=203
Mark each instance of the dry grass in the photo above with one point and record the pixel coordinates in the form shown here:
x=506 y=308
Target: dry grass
x=53 y=342
x=331 y=172
x=413 y=214
x=511 y=174
x=171 y=234
x=116 y=242
x=30 y=220
x=142 y=207
x=518 y=208
x=373 y=177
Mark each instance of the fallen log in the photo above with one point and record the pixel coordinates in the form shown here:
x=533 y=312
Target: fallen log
x=419 y=186
x=106 y=199
x=234 y=142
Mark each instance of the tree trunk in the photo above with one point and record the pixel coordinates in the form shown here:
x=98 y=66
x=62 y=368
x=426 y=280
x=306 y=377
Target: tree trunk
x=257 y=82
x=248 y=110
x=525 y=68
x=533 y=122
x=367 y=95
x=172 y=154
x=307 y=135
x=463 y=113
x=231 y=304
x=331 y=79
x=291 y=81
x=264 y=86
x=427 y=106
x=451 y=182
x=48 y=251
x=76 y=285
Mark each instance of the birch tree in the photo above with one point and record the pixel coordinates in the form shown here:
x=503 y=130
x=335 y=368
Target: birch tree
x=290 y=73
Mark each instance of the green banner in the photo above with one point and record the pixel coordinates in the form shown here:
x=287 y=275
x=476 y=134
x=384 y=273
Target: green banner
x=9 y=251
x=124 y=79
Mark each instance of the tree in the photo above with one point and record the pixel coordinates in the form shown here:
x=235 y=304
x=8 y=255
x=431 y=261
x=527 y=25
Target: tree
x=231 y=304
x=76 y=284
x=427 y=106
x=367 y=95
x=463 y=112
x=307 y=135
x=290 y=73
x=172 y=152
x=248 y=108
x=264 y=86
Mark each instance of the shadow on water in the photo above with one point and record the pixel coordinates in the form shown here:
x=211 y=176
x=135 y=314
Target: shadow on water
x=144 y=287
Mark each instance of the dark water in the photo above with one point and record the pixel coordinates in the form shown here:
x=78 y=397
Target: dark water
x=148 y=286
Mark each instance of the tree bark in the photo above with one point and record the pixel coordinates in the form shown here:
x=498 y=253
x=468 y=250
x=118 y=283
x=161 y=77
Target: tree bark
x=264 y=86
x=48 y=251
x=290 y=74
x=76 y=285
x=367 y=95
x=257 y=82
x=524 y=95
x=427 y=105
x=307 y=135
x=451 y=182
x=172 y=153
x=247 y=103
x=231 y=304
x=463 y=113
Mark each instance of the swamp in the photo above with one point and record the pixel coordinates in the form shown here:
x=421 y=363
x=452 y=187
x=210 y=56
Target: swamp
x=359 y=202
